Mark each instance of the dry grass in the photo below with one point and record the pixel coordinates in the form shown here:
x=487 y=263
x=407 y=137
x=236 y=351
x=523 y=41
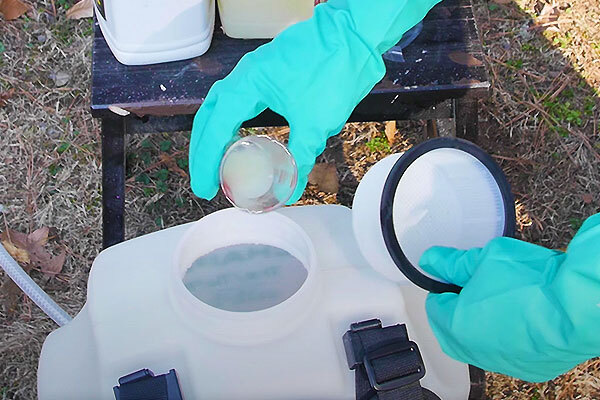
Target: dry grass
x=36 y=120
x=550 y=158
x=541 y=80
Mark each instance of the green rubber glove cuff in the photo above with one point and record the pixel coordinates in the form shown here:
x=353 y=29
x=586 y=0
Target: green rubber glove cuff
x=524 y=311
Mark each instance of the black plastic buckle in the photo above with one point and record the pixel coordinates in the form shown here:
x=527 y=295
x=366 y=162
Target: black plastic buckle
x=143 y=384
x=365 y=325
x=352 y=344
x=395 y=347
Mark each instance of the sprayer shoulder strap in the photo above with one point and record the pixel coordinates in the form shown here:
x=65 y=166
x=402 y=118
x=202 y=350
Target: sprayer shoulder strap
x=387 y=365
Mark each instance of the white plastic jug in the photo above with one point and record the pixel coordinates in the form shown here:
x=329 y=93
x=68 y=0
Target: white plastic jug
x=261 y=19
x=139 y=314
x=140 y=32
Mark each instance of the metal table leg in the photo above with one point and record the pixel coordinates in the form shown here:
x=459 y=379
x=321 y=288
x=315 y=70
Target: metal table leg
x=113 y=181
x=466 y=118
x=477 y=376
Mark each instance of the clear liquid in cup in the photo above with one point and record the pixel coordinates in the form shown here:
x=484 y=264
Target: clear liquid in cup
x=258 y=174
x=248 y=173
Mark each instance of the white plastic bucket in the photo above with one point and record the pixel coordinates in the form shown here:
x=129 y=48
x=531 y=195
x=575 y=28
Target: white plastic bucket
x=443 y=192
x=261 y=19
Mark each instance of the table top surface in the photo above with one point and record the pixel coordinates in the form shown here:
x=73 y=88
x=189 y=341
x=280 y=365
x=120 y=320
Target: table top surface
x=445 y=58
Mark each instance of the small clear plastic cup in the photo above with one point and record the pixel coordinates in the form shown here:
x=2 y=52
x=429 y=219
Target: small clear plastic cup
x=258 y=174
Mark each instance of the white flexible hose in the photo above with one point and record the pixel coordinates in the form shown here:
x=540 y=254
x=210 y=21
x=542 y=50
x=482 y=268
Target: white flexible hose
x=31 y=289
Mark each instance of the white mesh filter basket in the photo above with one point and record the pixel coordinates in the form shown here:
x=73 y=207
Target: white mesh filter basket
x=446 y=197
x=444 y=192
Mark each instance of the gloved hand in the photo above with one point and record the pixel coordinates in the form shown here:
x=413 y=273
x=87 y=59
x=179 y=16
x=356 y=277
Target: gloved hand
x=313 y=74
x=524 y=311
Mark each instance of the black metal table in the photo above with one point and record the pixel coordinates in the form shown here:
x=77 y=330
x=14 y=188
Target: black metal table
x=442 y=77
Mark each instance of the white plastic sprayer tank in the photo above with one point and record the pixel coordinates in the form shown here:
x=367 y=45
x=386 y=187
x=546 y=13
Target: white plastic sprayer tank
x=140 y=315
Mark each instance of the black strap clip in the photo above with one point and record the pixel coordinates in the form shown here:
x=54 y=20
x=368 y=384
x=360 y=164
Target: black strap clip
x=395 y=348
x=143 y=385
x=374 y=351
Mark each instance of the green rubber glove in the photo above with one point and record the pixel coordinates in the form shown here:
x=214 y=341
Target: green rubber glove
x=313 y=74
x=524 y=311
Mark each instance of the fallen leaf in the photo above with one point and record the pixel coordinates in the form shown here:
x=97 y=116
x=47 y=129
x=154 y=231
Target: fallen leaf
x=465 y=59
x=83 y=9
x=39 y=237
x=390 y=131
x=587 y=198
x=17 y=238
x=5 y=96
x=55 y=264
x=60 y=78
x=13 y=9
x=29 y=250
x=171 y=164
x=40 y=257
x=324 y=175
x=10 y=293
x=549 y=14
x=19 y=254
